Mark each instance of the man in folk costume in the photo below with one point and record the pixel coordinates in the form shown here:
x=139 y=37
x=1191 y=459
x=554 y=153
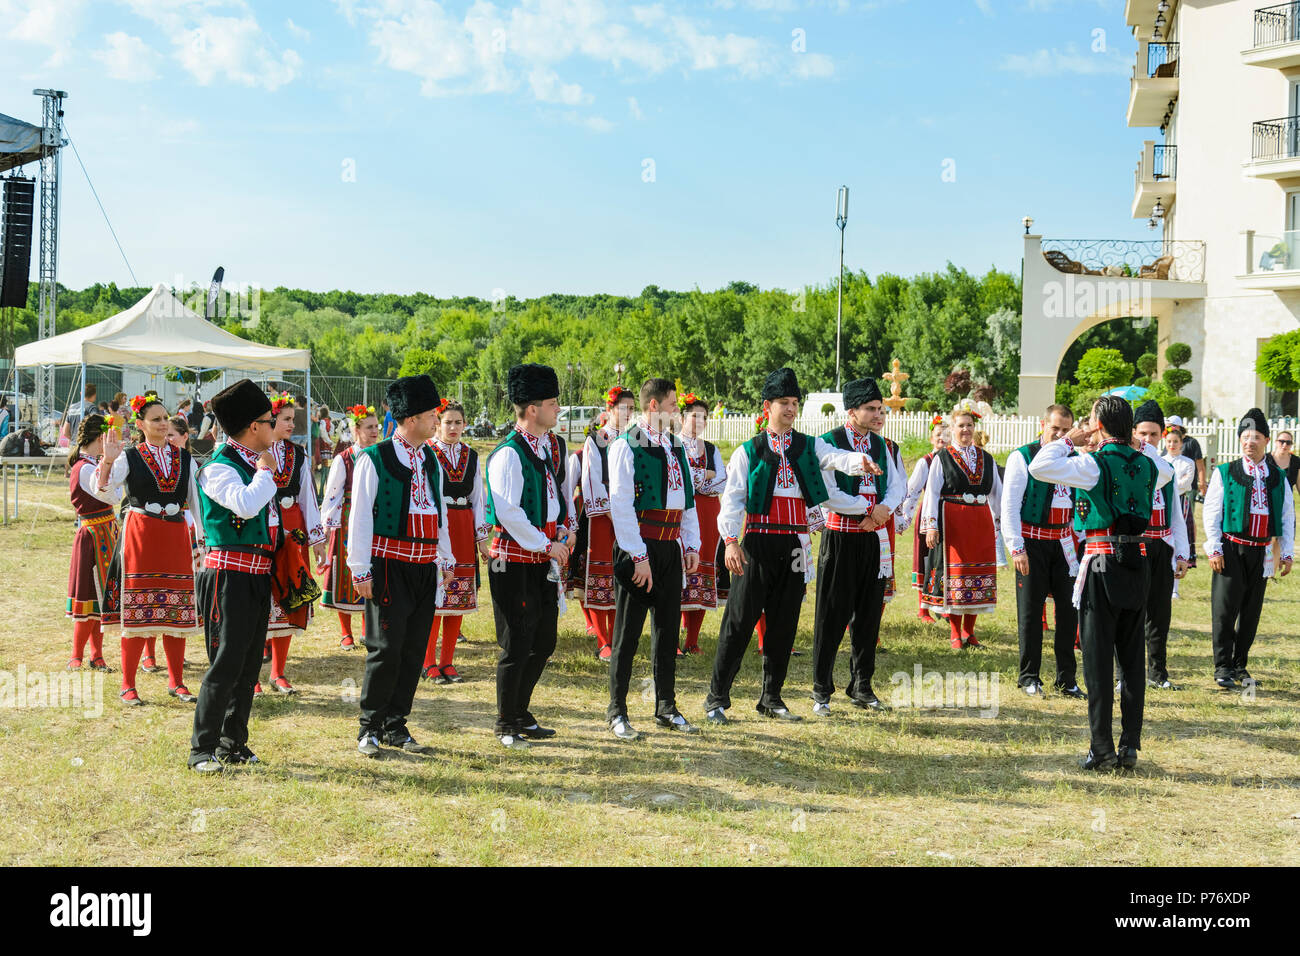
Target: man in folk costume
x=1117 y=486
x=702 y=589
x=854 y=563
x=940 y=438
x=899 y=519
x=531 y=529
x=293 y=589
x=960 y=516
x=772 y=481
x=1167 y=550
x=597 y=596
x=336 y=508
x=657 y=536
x=399 y=551
x=462 y=491
x=1248 y=504
x=241 y=523
x=1038 y=526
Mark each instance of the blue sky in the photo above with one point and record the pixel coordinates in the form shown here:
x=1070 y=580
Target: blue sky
x=460 y=148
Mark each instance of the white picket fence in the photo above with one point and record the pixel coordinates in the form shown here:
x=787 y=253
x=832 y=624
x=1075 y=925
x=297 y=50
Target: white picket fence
x=1217 y=437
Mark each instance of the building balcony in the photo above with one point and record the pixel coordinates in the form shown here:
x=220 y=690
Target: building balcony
x=1154 y=83
x=1165 y=260
x=1154 y=179
x=1272 y=262
x=1140 y=14
x=1277 y=38
x=1274 y=149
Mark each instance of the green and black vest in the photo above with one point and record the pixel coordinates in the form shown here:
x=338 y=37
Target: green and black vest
x=222 y=527
x=1126 y=489
x=764 y=464
x=392 y=505
x=533 y=499
x=650 y=470
x=1037 y=506
x=849 y=484
x=1237 y=489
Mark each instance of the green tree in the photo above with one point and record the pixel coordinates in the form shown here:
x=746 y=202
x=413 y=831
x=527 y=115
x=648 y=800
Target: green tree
x=1278 y=365
x=1100 y=370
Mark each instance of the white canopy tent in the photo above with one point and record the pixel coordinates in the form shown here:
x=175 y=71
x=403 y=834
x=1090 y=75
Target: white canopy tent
x=160 y=331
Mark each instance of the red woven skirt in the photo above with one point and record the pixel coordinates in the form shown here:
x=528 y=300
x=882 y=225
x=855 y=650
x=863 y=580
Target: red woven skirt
x=293 y=589
x=157 y=583
x=962 y=572
x=598 y=594
x=461 y=595
x=340 y=592
x=92 y=552
x=700 y=590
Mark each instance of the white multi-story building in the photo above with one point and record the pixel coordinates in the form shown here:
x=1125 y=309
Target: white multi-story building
x=1218 y=82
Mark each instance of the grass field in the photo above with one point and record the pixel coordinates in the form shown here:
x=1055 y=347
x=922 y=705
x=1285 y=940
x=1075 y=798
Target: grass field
x=1218 y=781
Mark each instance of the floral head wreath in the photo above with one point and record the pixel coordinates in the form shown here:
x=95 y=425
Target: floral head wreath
x=689 y=399
x=141 y=402
x=761 y=420
x=359 y=413
x=616 y=393
x=442 y=405
x=279 y=402
x=966 y=407
x=1173 y=430
x=937 y=420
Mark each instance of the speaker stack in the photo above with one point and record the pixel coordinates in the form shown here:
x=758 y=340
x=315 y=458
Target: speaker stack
x=17 y=206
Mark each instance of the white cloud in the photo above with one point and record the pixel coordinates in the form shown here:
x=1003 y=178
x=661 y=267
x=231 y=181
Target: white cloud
x=127 y=58
x=302 y=33
x=985 y=7
x=1055 y=63
x=48 y=23
x=501 y=49
x=213 y=46
x=634 y=108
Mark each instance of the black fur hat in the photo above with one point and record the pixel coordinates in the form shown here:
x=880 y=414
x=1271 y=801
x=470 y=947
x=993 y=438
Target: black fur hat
x=532 y=383
x=1149 y=411
x=860 y=391
x=237 y=406
x=1253 y=419
x=781 y=384
x=411 y=395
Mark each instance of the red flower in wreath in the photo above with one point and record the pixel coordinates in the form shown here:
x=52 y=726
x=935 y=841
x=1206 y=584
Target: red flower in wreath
x=279 y=402
x=687 y=400
x=614 y=394
x=761 y=421
x=359 y=413
x=140 y=402
x=937 y=420
x=442 y=405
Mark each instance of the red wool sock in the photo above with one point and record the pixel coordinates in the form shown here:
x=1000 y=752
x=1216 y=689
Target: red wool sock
x=345 y=622
x=590 y=617
x=174 y=651
x=132 y=648
x=96 y=641
x=692 y=621
x=968 y=625
x=450 y=631
x=279 y=655
x=151 y=648
x=954 y=624
x=604 y=627
x=431 y=652
x=762 y=631
x=81 y=633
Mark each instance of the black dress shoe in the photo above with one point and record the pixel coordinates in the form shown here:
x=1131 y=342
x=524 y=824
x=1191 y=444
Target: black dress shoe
x=870 y=702
x=407 y=742
x=1072 y=691
x=205 y=763
x=1128 y=757
x=536 y=732
x=1225 y=683
x=779 y=713
x=1092 y=762
x=1243 y=678
x=238 y=756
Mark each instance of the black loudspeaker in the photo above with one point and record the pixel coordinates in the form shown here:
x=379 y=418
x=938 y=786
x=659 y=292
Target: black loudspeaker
x=16 y=209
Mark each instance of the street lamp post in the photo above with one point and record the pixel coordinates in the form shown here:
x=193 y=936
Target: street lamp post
x=841 y=220
x=619 y=369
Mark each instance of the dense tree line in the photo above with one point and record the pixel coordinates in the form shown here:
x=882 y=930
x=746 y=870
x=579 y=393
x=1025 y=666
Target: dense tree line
x=955 y=334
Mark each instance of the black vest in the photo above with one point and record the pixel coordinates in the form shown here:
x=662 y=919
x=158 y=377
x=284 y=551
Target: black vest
x=955 y=479
x=452 y=490
x=142 y=487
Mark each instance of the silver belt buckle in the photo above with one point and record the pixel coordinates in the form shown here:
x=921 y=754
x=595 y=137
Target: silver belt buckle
x=286 y=502
x=172 y=508
x=153 y=508
x=968 y=498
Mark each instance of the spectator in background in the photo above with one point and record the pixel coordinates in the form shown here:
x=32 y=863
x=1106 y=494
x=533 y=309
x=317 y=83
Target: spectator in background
x=1192 y=450
x=4 y=416
x=117 y=402
x=1289 y=465
x=390 y=425
x=87 y=406
x=208 y=427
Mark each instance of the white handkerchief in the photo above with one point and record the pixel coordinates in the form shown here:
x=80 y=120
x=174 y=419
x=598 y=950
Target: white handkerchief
x=886 y=555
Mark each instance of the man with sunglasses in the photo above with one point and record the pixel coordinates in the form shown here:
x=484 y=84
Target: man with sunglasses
x=236 y=490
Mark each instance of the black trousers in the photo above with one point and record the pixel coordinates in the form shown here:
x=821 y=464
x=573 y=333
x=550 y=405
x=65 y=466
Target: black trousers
x=398 y=619
x=1159 y=607
x=236 y=608
x=665 y=559
x=772 y=584
x=1049 y=573
x=1111 y=614
x=849 y=588
x=1236 y=600
x=525 y=606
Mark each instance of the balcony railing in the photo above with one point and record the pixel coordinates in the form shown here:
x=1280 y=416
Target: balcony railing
x=1279 y=24
x=1275 y=253
x=1180 y=259
x=1162 y=59
x=1275 y=138
x=1164 y=162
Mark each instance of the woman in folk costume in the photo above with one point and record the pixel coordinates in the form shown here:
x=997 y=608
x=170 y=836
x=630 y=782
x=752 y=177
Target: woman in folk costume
x=940 y=438
x=93 y=545
x=597 y=595
x=340 y=592
x=156 y=554
x=960 y=518
x=462 y=493
x=1185 y=481
x=293 y=589
x=708 y=477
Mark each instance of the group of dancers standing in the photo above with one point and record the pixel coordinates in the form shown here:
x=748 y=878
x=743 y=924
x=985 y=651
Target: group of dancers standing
x=646 y=520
